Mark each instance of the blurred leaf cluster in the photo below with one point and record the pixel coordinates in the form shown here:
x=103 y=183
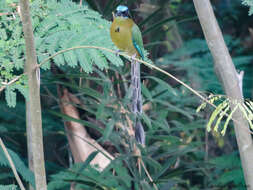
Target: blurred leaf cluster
x=250 y=4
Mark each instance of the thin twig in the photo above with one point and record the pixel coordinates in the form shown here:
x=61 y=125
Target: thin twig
x=2 y=14
x=11 y=82
x=80 y=79
x=12 y=165
x=118 y=85
x=147 y=173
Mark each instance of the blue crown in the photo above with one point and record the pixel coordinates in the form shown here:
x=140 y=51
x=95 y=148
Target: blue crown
x=121 y=8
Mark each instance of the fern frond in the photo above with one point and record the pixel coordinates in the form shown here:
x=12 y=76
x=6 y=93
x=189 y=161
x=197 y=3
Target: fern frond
x=215 y=113
x=10 y=96
x=250 y=4
x=112 y=58
x=20 y=166
x=201 y=107
x=224 y=109
x=250 y=105
x=228 y=119
x=67 y=25
x=247 y=114
x=57 y=25
x=222 y=114
x=84 y=60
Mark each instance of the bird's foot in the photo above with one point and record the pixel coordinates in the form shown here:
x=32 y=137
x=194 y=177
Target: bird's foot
x=132 y=58
x=117 y=52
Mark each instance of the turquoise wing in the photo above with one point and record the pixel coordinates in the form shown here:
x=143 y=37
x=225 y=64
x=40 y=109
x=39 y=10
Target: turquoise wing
x=137 y=40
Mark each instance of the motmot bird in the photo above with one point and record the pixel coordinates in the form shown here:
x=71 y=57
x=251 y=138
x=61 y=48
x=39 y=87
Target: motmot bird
x=126 y=35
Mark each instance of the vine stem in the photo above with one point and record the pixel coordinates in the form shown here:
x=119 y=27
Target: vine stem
x=12 y=165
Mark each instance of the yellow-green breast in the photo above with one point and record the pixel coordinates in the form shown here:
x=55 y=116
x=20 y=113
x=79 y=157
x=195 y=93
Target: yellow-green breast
x=121 y=35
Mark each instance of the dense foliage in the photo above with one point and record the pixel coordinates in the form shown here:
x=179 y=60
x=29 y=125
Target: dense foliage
x=179 y=153
x=250 y=4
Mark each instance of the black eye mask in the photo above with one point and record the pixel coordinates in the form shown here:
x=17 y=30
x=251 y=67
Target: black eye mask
x=124 y=14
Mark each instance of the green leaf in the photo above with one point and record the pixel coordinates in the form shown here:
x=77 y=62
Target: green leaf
x=222 y=114
x=228 y=119
x=109 y=129
x=19 y=165
x=173 y=108
x=217 y=111
x=113 y=58
x=98 y=58
x=88 y=160
x=250 y=4
x=84 y=60
x=147 y=120
x=163 y=83
x=68 y=118
x=10 y=96
x=145 y=92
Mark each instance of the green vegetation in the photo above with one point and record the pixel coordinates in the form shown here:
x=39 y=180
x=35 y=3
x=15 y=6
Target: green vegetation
x=179 y=152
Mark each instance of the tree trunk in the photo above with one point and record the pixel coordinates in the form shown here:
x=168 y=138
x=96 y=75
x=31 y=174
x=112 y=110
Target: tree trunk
x=226 y=72
x=34 y=123
x=80 y=142
x=29 y=138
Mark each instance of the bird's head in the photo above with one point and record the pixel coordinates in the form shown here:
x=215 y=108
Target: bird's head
x=122 y=11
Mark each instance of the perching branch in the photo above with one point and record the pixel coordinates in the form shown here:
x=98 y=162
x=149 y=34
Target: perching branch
x=225 y=70
x=119 y=53
x=130 y=58
x=135 y=59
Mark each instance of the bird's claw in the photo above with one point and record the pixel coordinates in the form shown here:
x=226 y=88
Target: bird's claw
x=132 y=58
x=117 y=53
